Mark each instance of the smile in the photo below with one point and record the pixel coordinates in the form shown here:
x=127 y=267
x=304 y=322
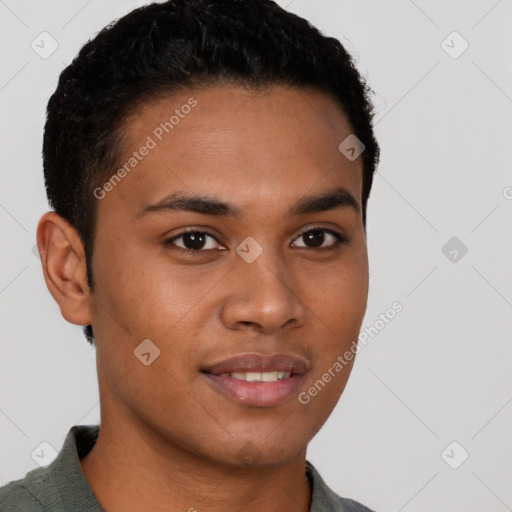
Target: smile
x=272 y=376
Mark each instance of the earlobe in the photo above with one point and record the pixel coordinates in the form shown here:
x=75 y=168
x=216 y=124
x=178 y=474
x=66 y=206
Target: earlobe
x=64 y=269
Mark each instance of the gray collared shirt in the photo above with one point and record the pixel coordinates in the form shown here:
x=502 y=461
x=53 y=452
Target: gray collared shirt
x=62 y=487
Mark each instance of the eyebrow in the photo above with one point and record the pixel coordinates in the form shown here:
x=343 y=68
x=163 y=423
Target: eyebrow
x=178 y=201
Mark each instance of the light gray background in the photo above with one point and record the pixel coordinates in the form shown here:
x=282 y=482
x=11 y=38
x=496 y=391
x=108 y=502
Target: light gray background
x=440 y=371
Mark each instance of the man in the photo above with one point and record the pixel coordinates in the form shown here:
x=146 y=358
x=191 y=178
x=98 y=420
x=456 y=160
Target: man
x=208 y=163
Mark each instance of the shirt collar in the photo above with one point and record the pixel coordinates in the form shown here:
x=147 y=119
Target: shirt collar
x=323 y=499
x=66 y=476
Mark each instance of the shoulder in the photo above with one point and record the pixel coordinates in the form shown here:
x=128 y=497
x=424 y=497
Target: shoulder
x=59 y=487
x=350 y=505
x=336 y=503
x=324 y=499
x=15 y=497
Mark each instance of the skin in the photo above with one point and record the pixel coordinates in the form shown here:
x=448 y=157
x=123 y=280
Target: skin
x=168 y=440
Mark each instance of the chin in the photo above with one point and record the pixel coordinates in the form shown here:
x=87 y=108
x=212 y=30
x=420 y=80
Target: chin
x=252 y=456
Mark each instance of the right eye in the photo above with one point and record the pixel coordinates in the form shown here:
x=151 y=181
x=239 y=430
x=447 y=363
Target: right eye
x=194 y=241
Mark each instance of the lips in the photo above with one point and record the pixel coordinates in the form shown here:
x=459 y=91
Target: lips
x=258 y=363
x=257 y=380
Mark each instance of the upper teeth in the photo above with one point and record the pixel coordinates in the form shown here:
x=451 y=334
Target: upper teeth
x=258 y=376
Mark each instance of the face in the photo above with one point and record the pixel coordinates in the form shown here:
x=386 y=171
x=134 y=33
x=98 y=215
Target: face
x=235 y=244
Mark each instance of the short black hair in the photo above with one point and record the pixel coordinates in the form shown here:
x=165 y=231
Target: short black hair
x=161 y=48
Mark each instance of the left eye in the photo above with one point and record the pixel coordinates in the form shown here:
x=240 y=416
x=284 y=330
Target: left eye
x=316 y=237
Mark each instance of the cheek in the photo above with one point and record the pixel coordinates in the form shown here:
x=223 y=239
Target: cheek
x=142 y=299
x=139 y=295
x=339 y=295
x=339 y=311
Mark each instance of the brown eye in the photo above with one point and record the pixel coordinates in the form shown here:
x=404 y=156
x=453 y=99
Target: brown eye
x=194 y=241
x=315 y=238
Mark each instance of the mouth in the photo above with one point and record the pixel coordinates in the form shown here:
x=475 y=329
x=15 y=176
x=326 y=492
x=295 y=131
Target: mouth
x=271 y=376
x=257 y=380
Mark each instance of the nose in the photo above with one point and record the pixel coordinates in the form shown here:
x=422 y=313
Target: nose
x=262 y=297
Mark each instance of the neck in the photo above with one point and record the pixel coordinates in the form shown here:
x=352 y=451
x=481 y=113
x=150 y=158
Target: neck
x=130 y=470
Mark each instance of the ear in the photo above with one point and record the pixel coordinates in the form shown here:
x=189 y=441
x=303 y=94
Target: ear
x=63 y=261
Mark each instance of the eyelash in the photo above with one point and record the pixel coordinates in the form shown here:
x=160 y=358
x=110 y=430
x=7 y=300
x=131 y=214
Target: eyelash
x=340 y=239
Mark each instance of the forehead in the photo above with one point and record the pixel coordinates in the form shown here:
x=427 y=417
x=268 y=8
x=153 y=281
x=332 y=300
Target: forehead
x=250 y=146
